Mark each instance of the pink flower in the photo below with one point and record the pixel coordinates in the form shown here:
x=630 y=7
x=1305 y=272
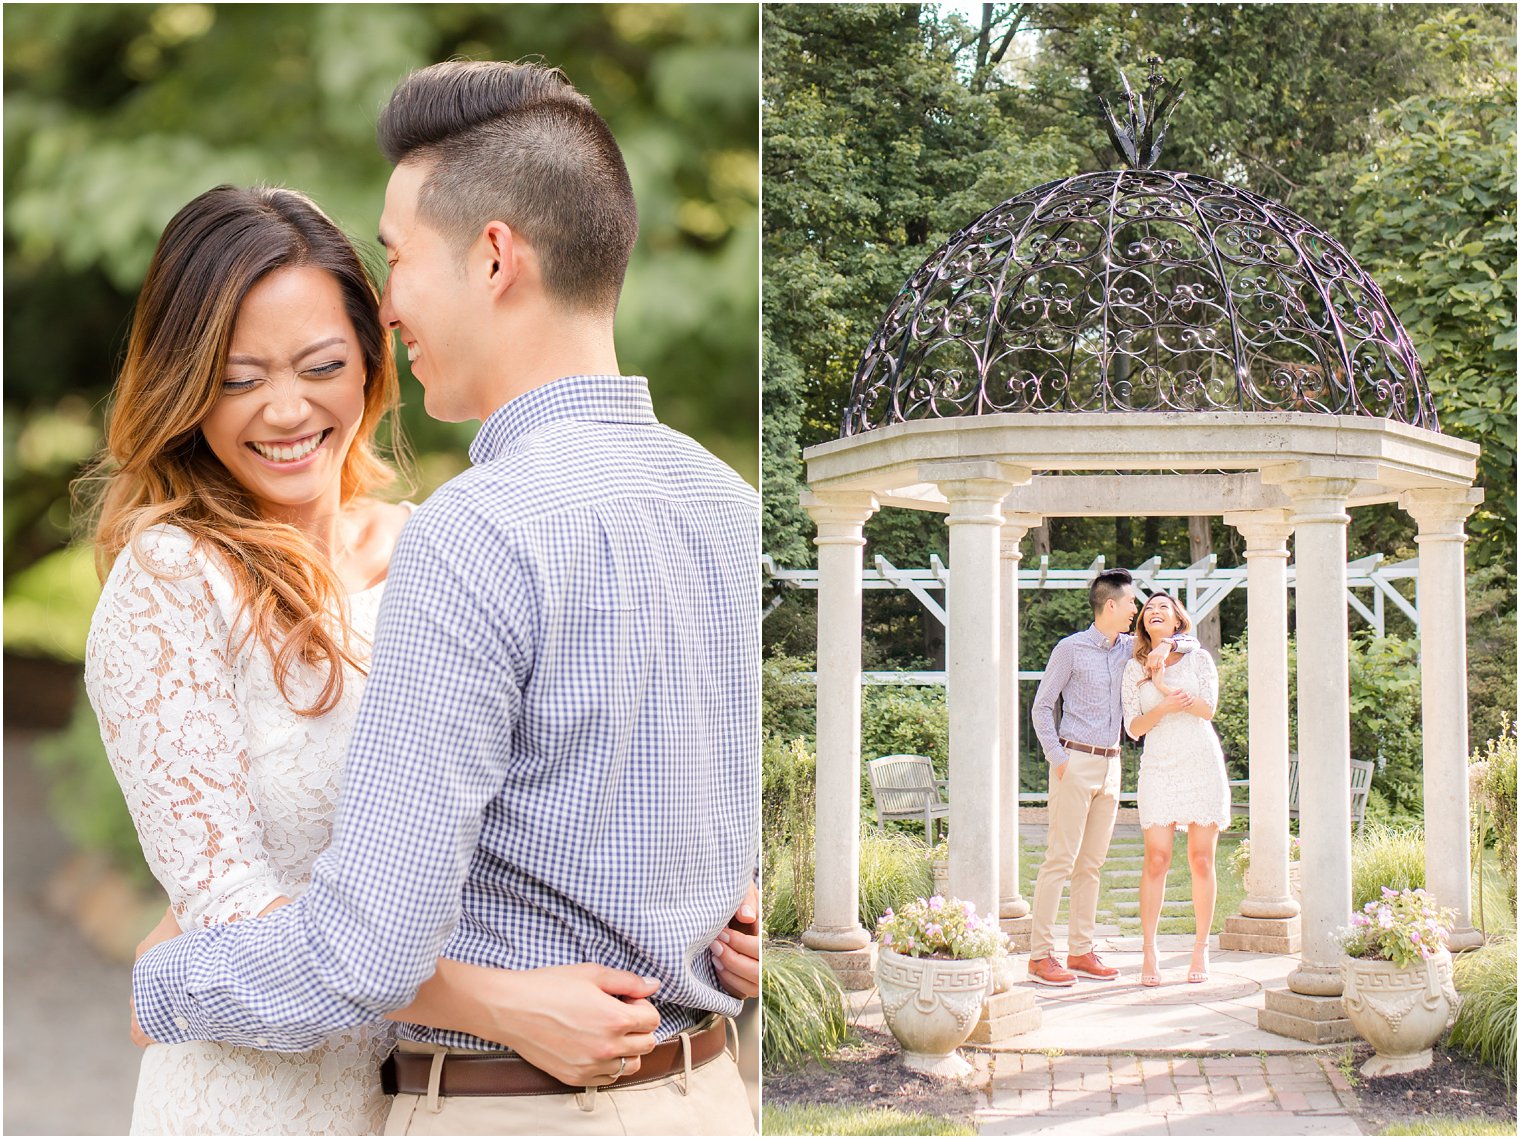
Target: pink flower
x=936 y=903
x=934 y=929
x=969 y=908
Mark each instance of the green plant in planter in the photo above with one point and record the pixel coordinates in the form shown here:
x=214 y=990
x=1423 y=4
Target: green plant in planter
x=1402 y=926
x=942 y=927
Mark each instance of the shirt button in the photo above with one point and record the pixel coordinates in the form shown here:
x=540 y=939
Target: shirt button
x=261 y=1042
x=181 y=1022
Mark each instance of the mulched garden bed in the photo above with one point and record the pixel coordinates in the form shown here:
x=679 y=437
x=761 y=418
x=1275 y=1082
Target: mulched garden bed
x=1449 y=1087
x=867 y=1073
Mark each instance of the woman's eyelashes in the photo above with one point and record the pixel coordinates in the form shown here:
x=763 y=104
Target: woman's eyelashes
x=319 y=372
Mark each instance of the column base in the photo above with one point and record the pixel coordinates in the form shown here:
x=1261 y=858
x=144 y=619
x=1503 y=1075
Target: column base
x=1005 y=1016
x=1014 y=907
x=1281 y=936
x=1316 y=980
x=1018 y=930
x=1283 y=907
x=1463 y=939
x=854 y=969
x=836 y=939
x=1317 y=1020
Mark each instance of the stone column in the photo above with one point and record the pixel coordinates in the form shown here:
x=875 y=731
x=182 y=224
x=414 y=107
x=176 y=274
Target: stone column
x=1324 y=728
x=1012 y=907
x=972 y=680
x=836 y=924
x=1267 y=896
x=1442 y=602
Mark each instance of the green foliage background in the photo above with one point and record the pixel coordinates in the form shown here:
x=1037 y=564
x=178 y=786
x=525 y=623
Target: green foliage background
x=116 y=115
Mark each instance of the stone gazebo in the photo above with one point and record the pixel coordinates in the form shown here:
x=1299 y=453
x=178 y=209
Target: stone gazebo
x=1133 y=343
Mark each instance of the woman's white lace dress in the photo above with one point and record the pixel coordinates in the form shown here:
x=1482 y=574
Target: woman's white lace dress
x=1182 y=773
x=234 y=796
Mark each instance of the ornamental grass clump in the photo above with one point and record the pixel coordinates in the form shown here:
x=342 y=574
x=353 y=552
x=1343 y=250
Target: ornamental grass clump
x=942 y=927
x=1485 y=1025
x=801 y=1009
x=1385 y=856
x=1240 y=857
x=1403 y=926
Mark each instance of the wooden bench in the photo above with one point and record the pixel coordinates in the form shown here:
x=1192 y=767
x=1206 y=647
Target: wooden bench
x=1361 y=785
x=904 y=787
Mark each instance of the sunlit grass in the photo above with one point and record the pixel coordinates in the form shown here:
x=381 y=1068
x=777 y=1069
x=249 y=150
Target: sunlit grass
x=828 y=1119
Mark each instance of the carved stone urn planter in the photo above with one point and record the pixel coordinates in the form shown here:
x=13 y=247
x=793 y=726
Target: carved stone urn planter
x=1401 y=1010
x=931 y=1005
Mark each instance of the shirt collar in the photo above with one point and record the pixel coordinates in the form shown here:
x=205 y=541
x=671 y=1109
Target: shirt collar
x=597 y=399
x=1098 y=640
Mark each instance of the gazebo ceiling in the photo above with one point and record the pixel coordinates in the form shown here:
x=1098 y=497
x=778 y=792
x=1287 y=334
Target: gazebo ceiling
x=1139 y=290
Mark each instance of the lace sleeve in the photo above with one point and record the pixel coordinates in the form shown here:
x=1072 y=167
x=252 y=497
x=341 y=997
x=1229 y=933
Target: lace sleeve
x=158 y=670
x=1208 y=679
x=1130 y=690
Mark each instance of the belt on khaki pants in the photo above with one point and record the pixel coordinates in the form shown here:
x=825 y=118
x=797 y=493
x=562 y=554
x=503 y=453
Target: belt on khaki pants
x=1106 y=752
x=412 y=1073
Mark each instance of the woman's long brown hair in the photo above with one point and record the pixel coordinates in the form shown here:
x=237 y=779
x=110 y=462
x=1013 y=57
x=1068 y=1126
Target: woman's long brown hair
x=1143 y=645
x=157 y=469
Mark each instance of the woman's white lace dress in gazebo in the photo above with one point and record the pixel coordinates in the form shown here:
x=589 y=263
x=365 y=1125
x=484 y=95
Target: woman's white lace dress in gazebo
x=234 y=796
x=1182 y=774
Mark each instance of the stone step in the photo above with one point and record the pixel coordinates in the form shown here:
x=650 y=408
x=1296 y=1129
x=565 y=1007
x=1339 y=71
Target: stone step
x=1127 y=909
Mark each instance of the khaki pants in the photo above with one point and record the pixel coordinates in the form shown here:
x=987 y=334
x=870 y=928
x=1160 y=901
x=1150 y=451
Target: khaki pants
x=711 y=1101
x=1083 y=804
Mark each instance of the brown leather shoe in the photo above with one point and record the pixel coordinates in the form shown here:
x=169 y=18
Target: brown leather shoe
x=1048 y=971
x=1090 y=966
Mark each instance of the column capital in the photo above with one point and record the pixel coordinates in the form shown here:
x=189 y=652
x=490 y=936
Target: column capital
x=1441 y=511
x=838 y=515
x=1317 y=498
x=1015 y=525
x=975 y=491
x=1265 y=531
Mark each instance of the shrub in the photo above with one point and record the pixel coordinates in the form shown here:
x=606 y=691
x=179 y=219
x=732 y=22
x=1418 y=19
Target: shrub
x=1385 y=716
x=893 y=871
x=788 y=803
x=801 y=1009
x=899 y=720
x=788 y=702
x=1485 y=1026
x=1494 y=787
x=1383 y=855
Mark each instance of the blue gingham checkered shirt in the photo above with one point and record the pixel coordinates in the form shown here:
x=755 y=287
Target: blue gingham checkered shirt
x=556 y=758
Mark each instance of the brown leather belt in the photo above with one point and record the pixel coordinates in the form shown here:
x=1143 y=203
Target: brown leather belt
x=406 y=1073
x=1106 y=752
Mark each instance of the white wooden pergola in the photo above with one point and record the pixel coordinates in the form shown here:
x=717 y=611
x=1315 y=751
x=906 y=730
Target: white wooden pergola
x=1269 y=474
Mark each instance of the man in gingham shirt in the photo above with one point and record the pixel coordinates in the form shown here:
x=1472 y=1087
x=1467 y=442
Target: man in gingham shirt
x=556 y=759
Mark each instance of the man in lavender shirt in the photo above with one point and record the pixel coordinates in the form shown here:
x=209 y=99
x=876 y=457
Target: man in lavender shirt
x=1084 y=673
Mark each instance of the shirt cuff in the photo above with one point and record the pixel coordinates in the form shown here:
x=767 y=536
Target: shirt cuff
x=1057 y=757
x=161 y=972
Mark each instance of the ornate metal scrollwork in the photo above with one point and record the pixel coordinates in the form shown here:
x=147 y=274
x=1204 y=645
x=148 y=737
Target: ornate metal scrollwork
x=1138 y=290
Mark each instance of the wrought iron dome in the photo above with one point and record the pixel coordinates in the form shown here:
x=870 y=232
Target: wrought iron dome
x=1139 y=290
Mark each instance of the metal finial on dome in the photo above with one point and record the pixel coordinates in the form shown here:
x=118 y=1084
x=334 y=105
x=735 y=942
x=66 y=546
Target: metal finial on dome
x=1139 y=139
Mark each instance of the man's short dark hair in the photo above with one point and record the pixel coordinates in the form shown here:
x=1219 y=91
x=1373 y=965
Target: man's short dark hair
x=1107 y=585
x=516 y=143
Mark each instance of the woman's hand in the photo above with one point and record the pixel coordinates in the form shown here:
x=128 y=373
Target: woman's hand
x=1177 y=700
x=736 y=952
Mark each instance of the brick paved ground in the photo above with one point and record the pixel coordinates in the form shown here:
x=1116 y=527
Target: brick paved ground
x=1032 y=1093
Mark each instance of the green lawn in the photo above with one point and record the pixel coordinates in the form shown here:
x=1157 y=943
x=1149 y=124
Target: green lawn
x=1445 y=1125
x=1117 y=901
x=829 y=1119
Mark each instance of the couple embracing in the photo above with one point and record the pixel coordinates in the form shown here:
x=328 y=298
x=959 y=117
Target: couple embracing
x=537 y=692
x=1157 y=684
